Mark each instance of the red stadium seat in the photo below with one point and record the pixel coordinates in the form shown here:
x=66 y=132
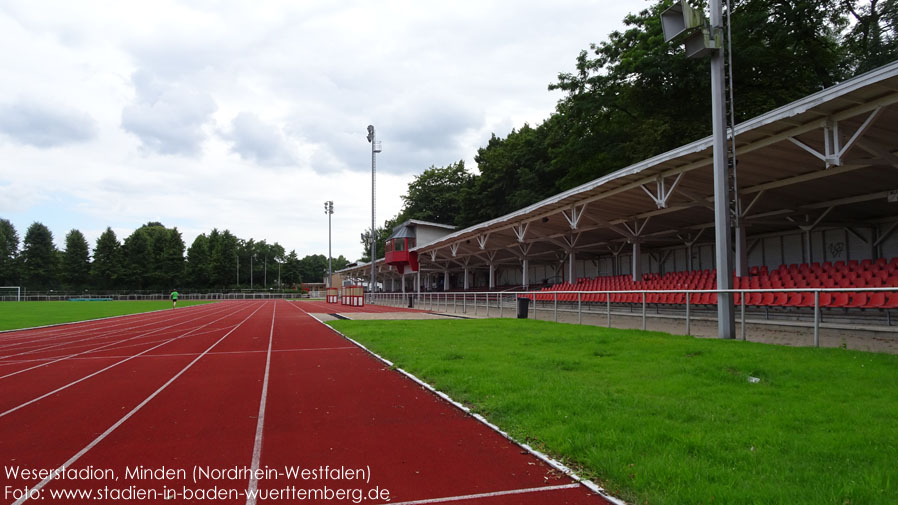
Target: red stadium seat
x=857 y=300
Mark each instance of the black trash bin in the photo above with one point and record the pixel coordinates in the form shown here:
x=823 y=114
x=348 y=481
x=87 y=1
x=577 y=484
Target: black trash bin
x=411 y=301
x=523 y=305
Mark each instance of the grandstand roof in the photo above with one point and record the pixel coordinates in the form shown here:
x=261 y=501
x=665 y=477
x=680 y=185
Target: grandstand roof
x=828 y=159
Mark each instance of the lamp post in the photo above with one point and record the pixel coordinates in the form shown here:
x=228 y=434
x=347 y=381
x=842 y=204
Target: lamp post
x=329 y=210
x=251 y=271
x=265 y=272
x=375 y=148
x=702 y=39
x=237 y=256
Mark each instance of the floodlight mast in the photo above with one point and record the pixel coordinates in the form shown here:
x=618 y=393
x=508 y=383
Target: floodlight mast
x=700 y=41
x=375 y=148
x=329 y=210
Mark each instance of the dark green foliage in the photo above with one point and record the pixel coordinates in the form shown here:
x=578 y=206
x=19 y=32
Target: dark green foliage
x=437 y=194
x=39 y=258
x=106 y=270
x=75 y=270
x=9 y=253
x=198 y=265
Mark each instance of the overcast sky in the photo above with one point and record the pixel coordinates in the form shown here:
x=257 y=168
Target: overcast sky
x=248 y=115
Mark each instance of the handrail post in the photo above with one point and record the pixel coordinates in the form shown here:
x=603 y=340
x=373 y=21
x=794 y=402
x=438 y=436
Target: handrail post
x=688 y=322
x=817 y=318
x=643 y=311
x=742 y=299
x=487 y=304
x=608 y=306
x=579 y=308
x=556 y=306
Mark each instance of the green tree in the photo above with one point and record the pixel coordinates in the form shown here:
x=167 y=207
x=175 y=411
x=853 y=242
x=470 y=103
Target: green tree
x=437 y=194
x=223 y=258
x=137 y=259
x=75 y=272
x=172 y=260
x=39 y=258
x=292 y=270
x=873 y=38
x=9 y=253
x=313 y=268
x=106 y=270
x=198 y=263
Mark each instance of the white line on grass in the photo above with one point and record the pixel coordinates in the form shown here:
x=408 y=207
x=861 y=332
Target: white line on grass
x=100 y=347
x=101 y=335
x=98 y=372
x=124 y=418
x=62 y=327
x=488 y=495
x=543 y=457
x=260 y=424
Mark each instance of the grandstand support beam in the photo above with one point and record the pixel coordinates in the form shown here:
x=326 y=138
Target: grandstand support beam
x=403 y=282
x=520 y=230
x=726 y=317
x=636 y=269
x=573 y=219
x=662 y=193
x=525 y=271
x=418 y=282
x=481 y=241
x=572 y=258
x=446 y=280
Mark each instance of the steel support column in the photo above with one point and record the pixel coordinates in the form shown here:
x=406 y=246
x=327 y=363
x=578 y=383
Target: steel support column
x=636 y=269
x=726 y=317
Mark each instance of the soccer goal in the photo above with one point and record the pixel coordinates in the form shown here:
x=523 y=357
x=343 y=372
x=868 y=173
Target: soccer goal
x=10 y=294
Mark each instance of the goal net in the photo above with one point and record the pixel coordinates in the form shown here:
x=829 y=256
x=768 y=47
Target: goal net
x=10 y=293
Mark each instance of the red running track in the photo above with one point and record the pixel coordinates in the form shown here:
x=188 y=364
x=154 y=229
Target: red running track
x=241 y=393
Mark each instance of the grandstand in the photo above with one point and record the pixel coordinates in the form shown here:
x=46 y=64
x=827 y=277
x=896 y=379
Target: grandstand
x=818 y=200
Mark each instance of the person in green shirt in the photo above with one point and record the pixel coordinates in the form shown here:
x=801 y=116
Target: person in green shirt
x=174 y=299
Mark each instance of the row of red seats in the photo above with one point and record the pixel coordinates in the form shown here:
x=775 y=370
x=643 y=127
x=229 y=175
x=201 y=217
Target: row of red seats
x=845 y=299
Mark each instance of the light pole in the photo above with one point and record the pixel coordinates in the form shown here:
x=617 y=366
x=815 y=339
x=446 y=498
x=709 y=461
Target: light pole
x=375 y=148
x=237 y=255
x=329 y=210
x=251 y=271
x=265 y=272
x=701 y=39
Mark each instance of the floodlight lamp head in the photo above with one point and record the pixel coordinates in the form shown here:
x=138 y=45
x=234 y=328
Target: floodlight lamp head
x=370 y=133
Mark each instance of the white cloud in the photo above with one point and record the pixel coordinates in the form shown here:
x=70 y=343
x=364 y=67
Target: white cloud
x=167 y=118
x=44 y=124
x=193 y=102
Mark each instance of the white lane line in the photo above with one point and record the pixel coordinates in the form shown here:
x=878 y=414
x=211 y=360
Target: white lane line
x=487 y=495
x=104 y=332
x=539 y=455
x=100 y=347
x=181 y=354
x=98 y=372
x=260 y=424
x=127 y=416
x=26 y=336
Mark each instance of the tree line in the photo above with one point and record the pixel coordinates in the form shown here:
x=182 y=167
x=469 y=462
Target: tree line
x=152 y=257
x=634 y=96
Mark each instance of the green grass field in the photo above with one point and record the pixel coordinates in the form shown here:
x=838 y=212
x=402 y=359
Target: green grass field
x=14 y=315
x=665 y=419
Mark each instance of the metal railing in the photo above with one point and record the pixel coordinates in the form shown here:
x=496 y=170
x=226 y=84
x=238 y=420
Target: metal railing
x=502 y=304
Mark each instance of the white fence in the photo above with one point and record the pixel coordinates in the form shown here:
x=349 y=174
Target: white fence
x=580 y=304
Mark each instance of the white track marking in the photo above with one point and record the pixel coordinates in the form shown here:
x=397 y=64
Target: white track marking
x=98 y=372
x=260 y=424
x=487 y=495
x=127 y=416
x=65 y=330
x=543 y=457
x=104 y=334
x=100 y=347
x=221 y=353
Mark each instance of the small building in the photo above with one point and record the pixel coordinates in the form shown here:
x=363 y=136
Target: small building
x=398 y=249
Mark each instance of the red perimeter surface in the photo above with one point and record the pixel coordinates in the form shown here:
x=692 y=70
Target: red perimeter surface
x=134 y=407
